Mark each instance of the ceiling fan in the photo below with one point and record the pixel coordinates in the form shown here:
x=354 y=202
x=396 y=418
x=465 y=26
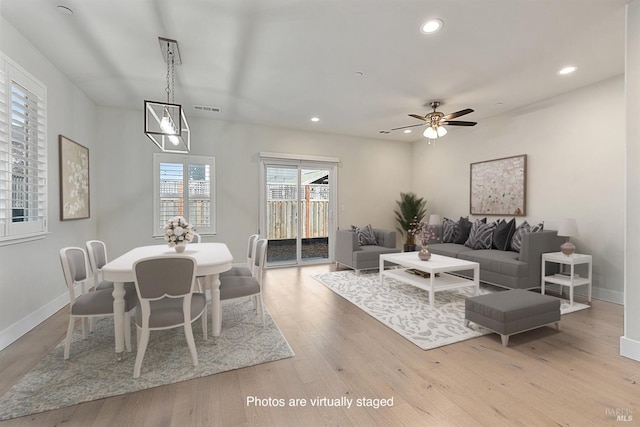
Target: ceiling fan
x=435 y=121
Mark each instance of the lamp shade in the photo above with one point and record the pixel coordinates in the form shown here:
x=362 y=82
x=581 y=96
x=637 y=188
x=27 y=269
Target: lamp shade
x=568 y=227
x=434 y=220
x=430 y=133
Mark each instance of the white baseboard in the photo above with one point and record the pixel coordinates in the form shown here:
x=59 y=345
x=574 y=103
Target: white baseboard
x=630 y=348
x=24 y=325
x=608 y=295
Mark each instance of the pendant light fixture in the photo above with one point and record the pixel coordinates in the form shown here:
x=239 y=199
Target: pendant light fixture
x=164 y=122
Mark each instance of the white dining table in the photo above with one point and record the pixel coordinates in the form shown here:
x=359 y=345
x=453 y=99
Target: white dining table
x=211 y=260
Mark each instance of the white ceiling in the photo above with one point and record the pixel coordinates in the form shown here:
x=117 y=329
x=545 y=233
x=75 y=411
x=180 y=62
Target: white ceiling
x=280 y=62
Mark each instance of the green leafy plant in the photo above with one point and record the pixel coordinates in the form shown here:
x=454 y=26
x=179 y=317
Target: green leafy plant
x=411 y=210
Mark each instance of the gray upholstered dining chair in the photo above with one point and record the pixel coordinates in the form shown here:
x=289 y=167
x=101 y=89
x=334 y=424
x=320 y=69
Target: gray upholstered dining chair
x=196 y=238
x=165 y=287
x=232 y=287
x=97 y=253
x=247 y=271
x=88 y=305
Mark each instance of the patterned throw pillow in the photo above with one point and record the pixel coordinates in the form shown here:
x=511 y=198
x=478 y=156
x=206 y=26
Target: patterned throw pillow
x=449 y=230
x=516 y=240
x=481 y=235
x=525 y=227
x=365 y=235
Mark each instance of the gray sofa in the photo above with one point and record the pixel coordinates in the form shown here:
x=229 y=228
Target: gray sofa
x=366 y=257
x=507 y=269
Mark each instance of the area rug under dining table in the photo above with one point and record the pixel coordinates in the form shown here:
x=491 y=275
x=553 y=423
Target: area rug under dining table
x=92 y=373
x=406 y=309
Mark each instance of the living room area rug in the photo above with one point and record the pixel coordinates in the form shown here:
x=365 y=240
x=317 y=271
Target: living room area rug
x=92 y=373
x=406 y=309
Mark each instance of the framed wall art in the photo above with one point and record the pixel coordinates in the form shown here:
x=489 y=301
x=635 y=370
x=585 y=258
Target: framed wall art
x=74 y=180
x=498 y=187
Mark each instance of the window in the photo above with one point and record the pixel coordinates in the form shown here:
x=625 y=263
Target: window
x=23 y=155
x=185 y=186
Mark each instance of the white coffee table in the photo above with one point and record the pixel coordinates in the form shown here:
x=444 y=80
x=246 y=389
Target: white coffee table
x=438 y=265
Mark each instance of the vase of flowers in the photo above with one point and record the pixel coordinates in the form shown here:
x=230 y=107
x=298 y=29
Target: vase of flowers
x=423 y=232
x=177 y=233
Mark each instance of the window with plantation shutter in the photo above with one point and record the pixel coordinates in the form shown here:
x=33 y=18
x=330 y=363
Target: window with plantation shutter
x=23 y=155
x=184 y=186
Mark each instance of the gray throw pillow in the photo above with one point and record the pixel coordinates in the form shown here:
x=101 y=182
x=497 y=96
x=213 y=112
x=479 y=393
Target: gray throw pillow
x=366 y=236
x=481 y=235
x=464 y=228
x=449 y=231
x=503 y=234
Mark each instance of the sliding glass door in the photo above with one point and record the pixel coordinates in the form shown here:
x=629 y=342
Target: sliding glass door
x=297 y=211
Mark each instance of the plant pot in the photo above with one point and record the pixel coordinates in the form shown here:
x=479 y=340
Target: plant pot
x=180 y=247
x=409 y=248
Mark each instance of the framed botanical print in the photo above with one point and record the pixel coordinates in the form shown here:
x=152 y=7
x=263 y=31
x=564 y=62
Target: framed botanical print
x=498 y=187
x=74 y=180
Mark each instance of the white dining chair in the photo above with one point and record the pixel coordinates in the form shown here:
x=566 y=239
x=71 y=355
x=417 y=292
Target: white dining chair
x=233 y=287
x=247 y=271
x=88 y=305
x=97 y=254
x=165 y=287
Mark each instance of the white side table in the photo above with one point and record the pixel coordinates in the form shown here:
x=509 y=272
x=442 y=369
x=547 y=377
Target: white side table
x=570 y=279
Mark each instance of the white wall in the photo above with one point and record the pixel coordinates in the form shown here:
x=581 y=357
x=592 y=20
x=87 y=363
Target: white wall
x=31 y=282
x=630 y=342
x=575 y=147
x=371 y=175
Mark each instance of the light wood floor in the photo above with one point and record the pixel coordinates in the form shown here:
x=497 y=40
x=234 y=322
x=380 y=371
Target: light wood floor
x=571 y=377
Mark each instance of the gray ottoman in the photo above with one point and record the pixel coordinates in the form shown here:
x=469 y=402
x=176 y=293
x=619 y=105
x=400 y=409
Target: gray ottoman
x=511 y=312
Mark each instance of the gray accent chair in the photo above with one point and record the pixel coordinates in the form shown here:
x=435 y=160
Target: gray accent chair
x=232 y=287
x=349 y=253
x=88 y=305
x=165 y=289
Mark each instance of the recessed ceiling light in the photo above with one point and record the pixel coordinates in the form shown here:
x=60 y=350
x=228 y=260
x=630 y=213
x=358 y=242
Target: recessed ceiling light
x=358 y=74
x=407 y=131
x=65 y=10
x=432 y=26
x=315 y=119
x=567 y=70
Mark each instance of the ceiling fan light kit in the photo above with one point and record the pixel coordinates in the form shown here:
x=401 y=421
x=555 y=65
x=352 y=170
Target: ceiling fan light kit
x=435 y=121
x=165 y=122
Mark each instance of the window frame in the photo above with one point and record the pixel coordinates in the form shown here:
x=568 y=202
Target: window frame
x=185 y=160
x=11 y=74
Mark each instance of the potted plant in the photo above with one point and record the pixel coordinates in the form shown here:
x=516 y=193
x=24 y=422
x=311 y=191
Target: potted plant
x=411 y=210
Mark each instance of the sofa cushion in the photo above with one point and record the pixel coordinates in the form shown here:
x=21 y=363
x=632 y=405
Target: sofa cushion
x=464 y=228
x=503 y=233
x=365 y=235
x=481 y=235
x=502 y=262
x=449 y=231
x=448 y=249
x=371 y=253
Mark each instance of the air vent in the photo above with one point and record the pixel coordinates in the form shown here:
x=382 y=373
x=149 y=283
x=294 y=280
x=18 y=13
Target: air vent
x=206 y=108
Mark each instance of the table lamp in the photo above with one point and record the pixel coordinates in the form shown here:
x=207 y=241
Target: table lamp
x=435 y=224
x=568 y=229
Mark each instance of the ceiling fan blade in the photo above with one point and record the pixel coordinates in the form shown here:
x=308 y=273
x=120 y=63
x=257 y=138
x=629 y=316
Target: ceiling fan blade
x=458 y=114
x=410 y=126
x=416 y=116
x=458 y=123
